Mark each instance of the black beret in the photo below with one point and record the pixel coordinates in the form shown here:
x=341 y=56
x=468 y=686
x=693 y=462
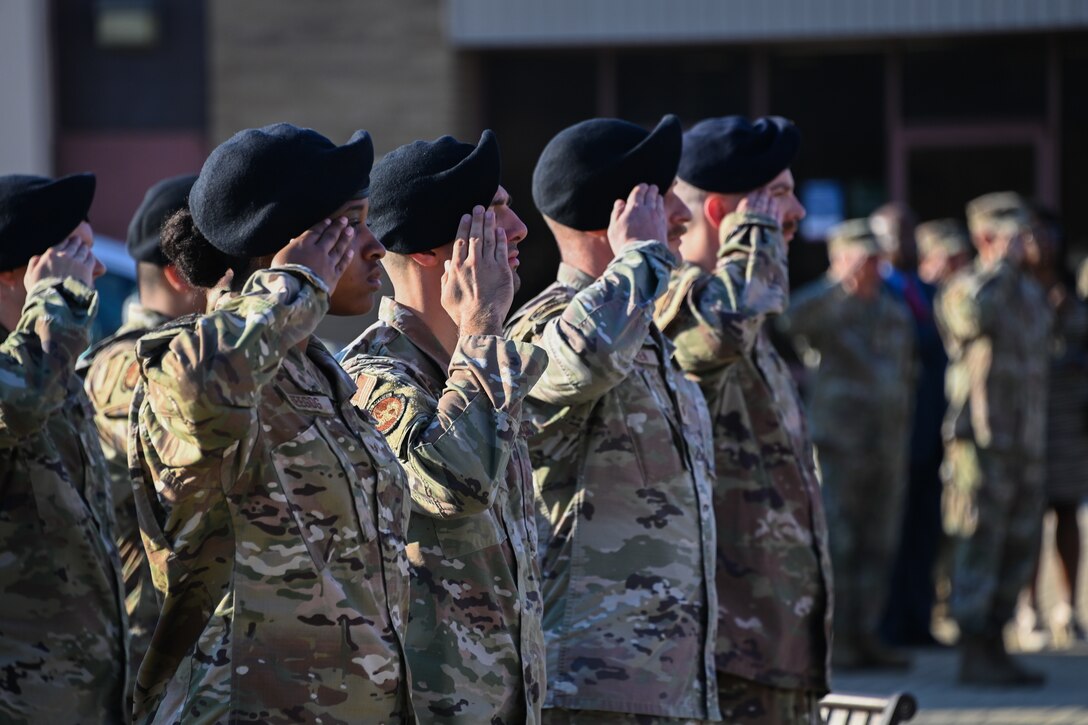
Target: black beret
x=159 y=204
x=264 y=186
x=586 y=167
x=421 y=190
x=731 y=155
x=37 y=212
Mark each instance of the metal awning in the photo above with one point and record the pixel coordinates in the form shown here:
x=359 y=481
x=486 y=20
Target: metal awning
x=601 y=23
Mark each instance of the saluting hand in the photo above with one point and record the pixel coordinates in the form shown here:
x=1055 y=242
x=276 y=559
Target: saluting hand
x=762 y=201
x=478 y=284
x=71 y=258
x=326 y=248
x=641 y=217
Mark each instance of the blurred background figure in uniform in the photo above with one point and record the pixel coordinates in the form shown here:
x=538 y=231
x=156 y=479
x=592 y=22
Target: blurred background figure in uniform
x=908 y=615
x=1067 y=434
x=995 y=322
x=943 y=250
x=110 y=373
x=858 y=340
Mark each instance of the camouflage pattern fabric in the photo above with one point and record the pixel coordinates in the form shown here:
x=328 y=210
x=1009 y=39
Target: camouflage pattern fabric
x=110 y=373
x=861 y=356
x=773 y=571
x=995 y=322
x=744 y=701
x=475 y=645
x=62 y=620
x=622 y=465
x=274 y=519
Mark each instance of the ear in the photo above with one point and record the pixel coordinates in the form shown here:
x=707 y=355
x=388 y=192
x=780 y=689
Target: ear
x=424 y=259
x=175 y=280
x=715 y=209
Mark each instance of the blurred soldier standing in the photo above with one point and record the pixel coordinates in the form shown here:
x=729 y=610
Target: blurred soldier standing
x=773 y=573
x=912 y=589
x=943 y=250
x=62 y=620
x=621 y=450
x=110 y=373
x=859 y=341
x=446 y=390
x=996 y=323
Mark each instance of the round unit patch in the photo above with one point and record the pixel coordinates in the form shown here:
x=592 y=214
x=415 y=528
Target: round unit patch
x=387 y=411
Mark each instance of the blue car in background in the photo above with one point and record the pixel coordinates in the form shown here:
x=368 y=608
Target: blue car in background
x=115 y=288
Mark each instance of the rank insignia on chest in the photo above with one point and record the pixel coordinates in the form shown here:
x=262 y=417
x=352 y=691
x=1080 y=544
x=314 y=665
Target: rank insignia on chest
x=388 y=411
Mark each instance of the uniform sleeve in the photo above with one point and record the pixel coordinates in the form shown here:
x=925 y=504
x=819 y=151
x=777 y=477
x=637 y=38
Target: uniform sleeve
x=972 y=306
x=591 y=343
x=717 y=317
x=456 y=448
x=38 y=357
x=204 y=383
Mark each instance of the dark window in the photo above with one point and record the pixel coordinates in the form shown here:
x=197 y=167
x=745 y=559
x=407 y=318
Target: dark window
x=991 y=78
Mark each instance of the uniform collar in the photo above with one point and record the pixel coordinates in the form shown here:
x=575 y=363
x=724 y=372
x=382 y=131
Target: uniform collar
x=572 y=277
x=411 y=326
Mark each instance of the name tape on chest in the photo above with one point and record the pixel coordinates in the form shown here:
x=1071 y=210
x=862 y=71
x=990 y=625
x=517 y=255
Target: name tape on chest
x=311 y=404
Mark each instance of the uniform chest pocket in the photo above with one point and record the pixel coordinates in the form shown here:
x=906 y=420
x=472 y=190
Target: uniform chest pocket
x=325 y=479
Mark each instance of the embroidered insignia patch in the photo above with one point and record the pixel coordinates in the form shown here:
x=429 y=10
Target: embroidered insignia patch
x=312 y=404
x=388 y=411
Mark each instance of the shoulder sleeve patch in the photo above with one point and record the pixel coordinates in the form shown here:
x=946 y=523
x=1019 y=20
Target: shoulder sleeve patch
x=364 y=384
x=388 y=411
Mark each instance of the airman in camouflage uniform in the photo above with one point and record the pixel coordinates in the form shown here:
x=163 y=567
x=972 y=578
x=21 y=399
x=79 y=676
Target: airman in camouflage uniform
x=621 y=448
x=273 y=514
x=62 y=621
x=446 y=389
x=110 y=373
x=858 y=340
x=995 y=321
x=773 y=573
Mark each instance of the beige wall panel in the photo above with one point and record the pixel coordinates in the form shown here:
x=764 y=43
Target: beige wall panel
x=26 y=121
x=334 y=65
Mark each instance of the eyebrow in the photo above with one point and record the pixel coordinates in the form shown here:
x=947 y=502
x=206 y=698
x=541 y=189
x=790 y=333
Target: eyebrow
x=781 y=187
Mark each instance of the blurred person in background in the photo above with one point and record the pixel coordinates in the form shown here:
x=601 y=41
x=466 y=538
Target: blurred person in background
x=944 y=248
x=858 y=340
x=773 y=568
x=1067 y=431
x=110 y=373
x=908 y=615
x=995 y=321
x=63 y=629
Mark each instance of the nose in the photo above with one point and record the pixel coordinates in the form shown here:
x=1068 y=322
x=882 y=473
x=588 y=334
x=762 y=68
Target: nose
x=370 y=247
x=515 y=229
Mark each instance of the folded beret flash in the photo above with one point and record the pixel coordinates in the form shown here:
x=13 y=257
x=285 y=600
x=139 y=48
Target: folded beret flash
x=159 y=204
x=37 y=212
x=586 y=167
x=731 y=155
x=265 y=186
x=421 y=190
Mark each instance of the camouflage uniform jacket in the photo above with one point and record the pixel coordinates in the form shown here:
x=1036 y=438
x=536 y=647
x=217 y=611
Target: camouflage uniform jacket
x=995 y=321
x=862 y=354
x=273 y=516
x=773 y=571
x=622 y=463
x=475 y=644
x=110 y=373
x=62 y=620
